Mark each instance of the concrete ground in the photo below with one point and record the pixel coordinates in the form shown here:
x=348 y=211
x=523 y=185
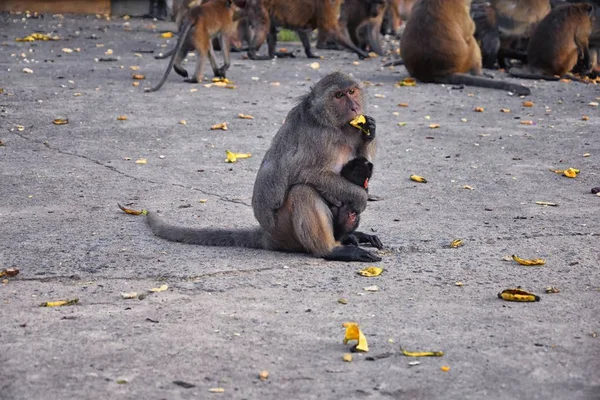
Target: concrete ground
x=229 y=314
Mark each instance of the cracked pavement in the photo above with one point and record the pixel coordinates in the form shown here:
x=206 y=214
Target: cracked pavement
x=230 y=313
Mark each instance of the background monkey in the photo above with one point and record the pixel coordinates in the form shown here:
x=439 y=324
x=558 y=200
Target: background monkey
x=559 y=42
x=438 y=46
x=206 y=20
x=299 y=178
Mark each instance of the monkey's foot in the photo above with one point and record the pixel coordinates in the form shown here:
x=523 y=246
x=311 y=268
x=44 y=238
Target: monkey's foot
x=312 y=55
x=180 y=71
x=220 y=72
x=351 y=253
x=373 y=240
x=281 y=54
x=350 y=240
x=193 y=79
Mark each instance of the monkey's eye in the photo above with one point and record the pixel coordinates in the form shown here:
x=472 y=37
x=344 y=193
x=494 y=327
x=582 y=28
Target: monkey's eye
x=351 y=91
x=339 y=95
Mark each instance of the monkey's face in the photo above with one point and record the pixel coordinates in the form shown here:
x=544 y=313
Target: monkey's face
x=348 y=104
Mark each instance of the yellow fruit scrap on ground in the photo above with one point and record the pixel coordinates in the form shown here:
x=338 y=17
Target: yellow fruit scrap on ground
x=552 y=289
x=37 y=36
x=222 y=126
x=518 y=295
x=263 y=375
x=59 y=303
x=162 y=288
x=478 y=109
x=138 y=77
x=434 y=126
x=422 y=353
x=535 y=261
x=407 y=82
x=353 y=332
x=129 y=295
x=528 y=104
x=417 y=178
x=347 y=357
x=216 y=390
x=166 y=35
x=245 y=116
x=141 y=161
x=122 y=118
x=546 y=203
x=445 y=368
x=571 y=172
x=370 y=272
x=60 y=121
x=9 y=272
x=457 y=243
x=131 y=211
x=505 y=110
x=233 y=157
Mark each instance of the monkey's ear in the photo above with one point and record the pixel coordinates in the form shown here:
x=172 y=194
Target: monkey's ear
x=591 y=10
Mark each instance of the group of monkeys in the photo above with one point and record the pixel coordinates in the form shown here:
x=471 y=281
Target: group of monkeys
x=442 y=41
x=312 y=184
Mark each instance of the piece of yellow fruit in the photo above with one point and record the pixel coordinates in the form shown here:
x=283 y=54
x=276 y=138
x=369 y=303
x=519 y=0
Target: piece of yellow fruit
x=60 y=121
x=131 y=211
x=528 y=104
x=418 y=178
x=233 y=157
x=370 y=271
x=422 y=353
x=162 y=288
x=518 y=295
x=353 y=332
x=457 y=243
x=535 y=261
x=59 y=303
x=356 y=122
x=407 y=82
x=347 y=357
x=166 y=35
x=222 y=126
x=571 y=172
x=445 y=368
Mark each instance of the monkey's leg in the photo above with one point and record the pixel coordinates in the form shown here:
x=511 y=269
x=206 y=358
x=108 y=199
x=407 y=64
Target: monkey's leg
x=344 y=41
x=272 y=43
x=374 y=39
x=226 y=61
x=303 y=35
x=202 y=48
x=185 y=49
x=213 y=61
x=313 y=227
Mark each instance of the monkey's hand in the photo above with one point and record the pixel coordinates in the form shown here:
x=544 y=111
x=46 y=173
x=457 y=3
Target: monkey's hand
x=369 y=129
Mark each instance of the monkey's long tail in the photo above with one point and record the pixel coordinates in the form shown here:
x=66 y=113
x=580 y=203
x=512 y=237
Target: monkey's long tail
x=184 y=32
x=470 y=80
x=251 y=238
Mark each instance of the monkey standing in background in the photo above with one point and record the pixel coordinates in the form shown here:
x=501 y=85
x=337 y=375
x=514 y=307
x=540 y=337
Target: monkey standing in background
x=299 y=178
x=558 y=43
x=438 y=46
x=206 y=20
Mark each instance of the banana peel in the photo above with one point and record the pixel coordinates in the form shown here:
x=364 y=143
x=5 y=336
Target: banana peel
x=457 y=243
x=9 y=272
x=422 y=353
x=59 y=303
x=370 y=272
x=131 y=211
x=233 y=157
x=417 y=178
x=359 y=122
x=534 y=261
x=518 y=295
x=353 y=332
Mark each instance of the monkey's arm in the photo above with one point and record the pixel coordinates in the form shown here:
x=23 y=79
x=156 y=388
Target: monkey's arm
x=369 y=144
x=334 y=188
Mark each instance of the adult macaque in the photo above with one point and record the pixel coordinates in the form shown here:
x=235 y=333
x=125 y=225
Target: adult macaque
x=299 y=179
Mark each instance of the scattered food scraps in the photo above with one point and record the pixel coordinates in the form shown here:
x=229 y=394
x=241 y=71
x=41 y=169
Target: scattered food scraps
x=141 y=161
x=467 y=187
x=457 y=243
x=233 y=157
x=263 y=375
x=373 y=288
x=353 y=332
x=122 y=118
x=402 y=104
x=418 y=178
x=571 y=172
x=245 y=116
x=546 y=203
x=407 y=82
x=422 y=353
x=315 y=65
x=10 y=272
x=216 y=390
x=528 y=104
x=162 y=288
x=138 y=77
x=343 y=300
x=585 y=118
x=131 y=211
x=434 y=126
x=505 y=110
x=370 y=272
x=37 y=36
x=445 y=368
x=347 y=357
x=59 y=303
x=527 y=123
x=222 y=126
x=518 y=295
x=552 y=289
x=130 y=295
x=534 y=261
x=60 y=121
x=478 y=109
x=166 y=35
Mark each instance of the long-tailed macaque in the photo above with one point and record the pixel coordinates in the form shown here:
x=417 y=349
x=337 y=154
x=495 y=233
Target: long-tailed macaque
x=438 y=46
x=299 y=178
x=559 y=42
x=206 y=20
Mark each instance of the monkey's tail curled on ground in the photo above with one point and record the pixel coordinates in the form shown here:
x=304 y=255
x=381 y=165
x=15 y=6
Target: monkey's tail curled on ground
x=250 y=238
x=185 y=30
x=470 y=80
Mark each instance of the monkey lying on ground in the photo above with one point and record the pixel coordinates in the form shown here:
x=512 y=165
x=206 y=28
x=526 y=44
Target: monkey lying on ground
x=346 y=219
x=299 y=178
x=558 y=43
x=206 y=20
x=438 y=46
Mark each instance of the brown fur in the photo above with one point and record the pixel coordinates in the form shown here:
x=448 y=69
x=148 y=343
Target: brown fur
x=559 y=42
x=438 y=46
x=305 y=16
